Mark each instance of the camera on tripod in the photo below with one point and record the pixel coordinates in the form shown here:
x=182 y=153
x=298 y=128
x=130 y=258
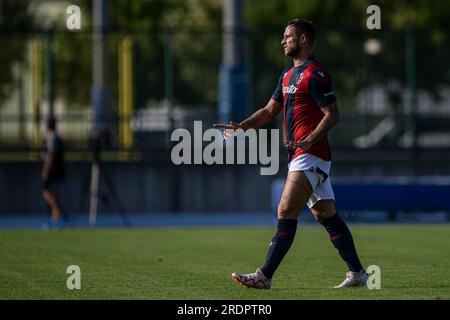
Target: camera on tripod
x=99 y=139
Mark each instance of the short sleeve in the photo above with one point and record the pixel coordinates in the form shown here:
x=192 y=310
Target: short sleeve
x=52 y=144
x=278 y=93
x=320 y=87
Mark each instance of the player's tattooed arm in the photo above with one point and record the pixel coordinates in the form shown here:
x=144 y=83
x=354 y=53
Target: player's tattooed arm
x=262 y=116
x=256 y=120
x=331 y=118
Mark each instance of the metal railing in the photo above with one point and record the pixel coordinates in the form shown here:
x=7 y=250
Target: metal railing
x=163 y=80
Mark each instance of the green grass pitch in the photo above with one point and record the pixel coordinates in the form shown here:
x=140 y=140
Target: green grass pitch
x=196 y=263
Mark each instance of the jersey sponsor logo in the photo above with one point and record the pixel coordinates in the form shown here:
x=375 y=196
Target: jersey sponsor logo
x=291 y=89
x=328 y=94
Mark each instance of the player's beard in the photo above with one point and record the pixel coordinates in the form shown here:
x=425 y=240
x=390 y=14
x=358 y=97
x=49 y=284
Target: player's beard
x=294 y=52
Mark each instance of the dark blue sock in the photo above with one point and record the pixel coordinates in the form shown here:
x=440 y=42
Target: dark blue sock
x=279 y=246
x=342 y=240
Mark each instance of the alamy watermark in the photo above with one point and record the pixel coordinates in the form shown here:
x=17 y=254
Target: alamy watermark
x=374 y=280
x=74 y=280
x=374 y=20
x=73 y=21
x=235 y=147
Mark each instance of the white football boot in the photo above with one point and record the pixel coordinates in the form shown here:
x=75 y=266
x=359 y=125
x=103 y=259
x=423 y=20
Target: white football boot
x=354 y=279
x=255 y=280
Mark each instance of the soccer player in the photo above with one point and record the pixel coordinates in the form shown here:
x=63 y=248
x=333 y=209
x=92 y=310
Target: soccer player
x=305 y=95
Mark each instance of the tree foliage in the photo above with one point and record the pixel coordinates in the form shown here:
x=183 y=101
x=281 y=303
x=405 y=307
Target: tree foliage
x=195 y=44
x=342 y=32
x=13 y=17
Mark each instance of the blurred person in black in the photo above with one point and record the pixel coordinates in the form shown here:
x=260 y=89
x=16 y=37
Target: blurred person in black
x=53 y=174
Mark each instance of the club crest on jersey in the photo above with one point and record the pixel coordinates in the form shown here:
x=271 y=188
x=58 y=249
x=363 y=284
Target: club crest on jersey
x=320 y=73
x=291 y=89
x=299 y=78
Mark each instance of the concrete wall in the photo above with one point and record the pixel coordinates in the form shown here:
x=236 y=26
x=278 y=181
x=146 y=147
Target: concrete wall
x=142 y=187
x=156 y=185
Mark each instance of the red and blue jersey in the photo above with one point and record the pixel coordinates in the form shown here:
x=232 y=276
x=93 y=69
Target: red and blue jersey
x=303 y=90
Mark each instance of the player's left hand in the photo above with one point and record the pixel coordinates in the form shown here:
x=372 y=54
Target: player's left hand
x=304 y=144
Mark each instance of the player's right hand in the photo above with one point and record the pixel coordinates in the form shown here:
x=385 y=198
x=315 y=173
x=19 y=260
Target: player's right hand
x=229 y=129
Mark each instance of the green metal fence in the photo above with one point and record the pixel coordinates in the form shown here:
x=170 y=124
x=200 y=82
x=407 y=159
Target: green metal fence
x=393 y=88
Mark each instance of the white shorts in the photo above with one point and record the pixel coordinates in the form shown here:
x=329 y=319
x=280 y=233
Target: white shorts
x=318 y=173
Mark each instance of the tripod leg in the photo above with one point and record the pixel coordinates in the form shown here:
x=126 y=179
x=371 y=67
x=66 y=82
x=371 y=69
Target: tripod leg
x=95 y=183
x=81 y=195
x=113 y=194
